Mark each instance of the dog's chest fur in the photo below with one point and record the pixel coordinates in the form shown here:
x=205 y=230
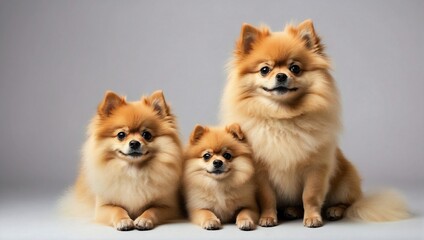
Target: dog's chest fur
x=127 y=186
x=283 y=147
x=224 y=201
x=133 y=188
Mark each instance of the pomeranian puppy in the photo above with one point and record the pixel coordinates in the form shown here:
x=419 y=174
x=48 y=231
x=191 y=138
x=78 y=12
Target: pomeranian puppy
x=281 y=92
x=219 y=178
x=131 y=165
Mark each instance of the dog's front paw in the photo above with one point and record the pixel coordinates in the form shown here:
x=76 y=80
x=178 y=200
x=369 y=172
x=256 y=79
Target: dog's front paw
x=211 y=224
x=125 y=224
x=246 y=225
x=313 y=222
x=143 y=223
x=265 y=221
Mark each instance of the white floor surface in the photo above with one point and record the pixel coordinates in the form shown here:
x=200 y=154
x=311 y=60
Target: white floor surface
x=24 y=215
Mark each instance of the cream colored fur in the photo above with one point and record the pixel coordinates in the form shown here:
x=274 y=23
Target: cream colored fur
x=128 y=192
x=294 y=135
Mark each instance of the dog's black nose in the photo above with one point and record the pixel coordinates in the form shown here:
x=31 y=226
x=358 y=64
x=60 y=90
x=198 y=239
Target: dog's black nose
x=135 y=144
x=281 y=78
x=217 y=163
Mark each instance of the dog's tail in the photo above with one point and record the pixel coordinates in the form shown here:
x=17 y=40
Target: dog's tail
x=72 y=205
x=383 y=206
x=78 y=201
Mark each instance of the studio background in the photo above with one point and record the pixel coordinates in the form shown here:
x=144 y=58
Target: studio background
x=57 y=59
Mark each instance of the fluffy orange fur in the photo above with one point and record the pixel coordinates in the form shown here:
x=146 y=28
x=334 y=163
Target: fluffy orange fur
x=293 y=126
x=123 y=190
x=227 y=193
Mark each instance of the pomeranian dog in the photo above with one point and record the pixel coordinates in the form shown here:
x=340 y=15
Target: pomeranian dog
x=281 y=92
x=219 y=178
x=131 y=165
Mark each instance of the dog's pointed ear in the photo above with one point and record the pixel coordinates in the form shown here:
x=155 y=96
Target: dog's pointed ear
x=158 y=103
x=235 y=130
x=307 y=33
x=197 y=133
x=110 y=102
x=248 y=36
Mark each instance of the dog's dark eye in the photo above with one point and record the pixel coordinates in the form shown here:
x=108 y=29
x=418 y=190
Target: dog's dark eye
x=207 y=156
x=147 y=135
x=121 y=135
x=294 y=69
x=227 y=156
x=265 y=70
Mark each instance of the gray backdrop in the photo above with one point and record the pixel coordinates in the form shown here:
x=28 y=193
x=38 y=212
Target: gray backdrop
x=57 y=58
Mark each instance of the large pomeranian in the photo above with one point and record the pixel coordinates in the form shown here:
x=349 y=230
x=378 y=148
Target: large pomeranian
x=219 y=179
x=131 y=165
x=281 y=92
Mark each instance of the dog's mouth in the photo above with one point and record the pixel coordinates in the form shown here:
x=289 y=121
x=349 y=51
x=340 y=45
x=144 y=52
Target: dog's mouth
x=218 y=172
x=279 y=90
x=134 y=154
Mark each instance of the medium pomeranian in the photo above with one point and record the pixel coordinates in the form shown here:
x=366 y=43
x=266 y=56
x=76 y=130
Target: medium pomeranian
x=281 y=92
x=219 y=178
x=131 y=165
